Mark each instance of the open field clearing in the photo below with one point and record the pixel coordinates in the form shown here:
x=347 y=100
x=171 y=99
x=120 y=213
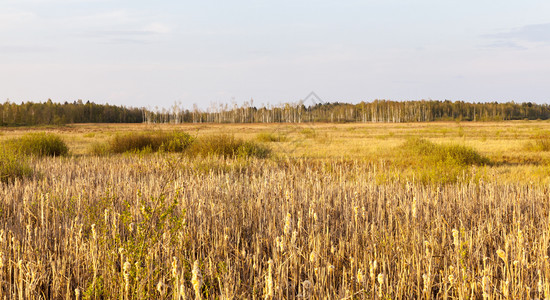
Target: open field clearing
x=333 y=211
x=509 y=145
x=360 y=139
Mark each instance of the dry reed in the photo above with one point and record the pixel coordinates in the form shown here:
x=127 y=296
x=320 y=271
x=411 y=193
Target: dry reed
x=164 y=226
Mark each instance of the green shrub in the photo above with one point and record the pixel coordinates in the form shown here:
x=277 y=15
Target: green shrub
x=99 y=149
x=455 y=154
x=150 y=142
x=433 y=163
x=131 y=142
x=12 y=166
x=228 y=146
x=463 y=155
x=216 y=145
x=39 y=144
x=177 y=142
x=251 y=149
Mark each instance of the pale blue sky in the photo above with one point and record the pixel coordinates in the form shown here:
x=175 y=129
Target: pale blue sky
x=154 y=53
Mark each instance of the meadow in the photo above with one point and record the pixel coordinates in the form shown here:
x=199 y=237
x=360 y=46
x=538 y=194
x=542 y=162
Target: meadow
x=277 y=211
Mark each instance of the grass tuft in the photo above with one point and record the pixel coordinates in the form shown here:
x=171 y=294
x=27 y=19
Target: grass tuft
x=539 y=144
x=148 y=142
x=13 y=166
x=252 y=149
x=228 y=146
x=428 y=162
x=39 y=144
x=99 y=149
x=177 y=142
x=268 y=137
x=456 y=154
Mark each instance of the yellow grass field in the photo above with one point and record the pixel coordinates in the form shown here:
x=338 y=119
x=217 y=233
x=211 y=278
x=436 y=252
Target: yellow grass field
x=504 y=139
x=338 y=211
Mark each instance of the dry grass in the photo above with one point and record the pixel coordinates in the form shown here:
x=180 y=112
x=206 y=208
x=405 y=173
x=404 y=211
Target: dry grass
x=119 y=229
x=173 y=226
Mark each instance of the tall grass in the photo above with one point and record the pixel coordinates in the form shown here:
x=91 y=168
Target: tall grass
x=13 y=166
x=210 y=225
x=149 y=142
x=267 y=137
x=228 y=146
x=538 y=144
x=213 y=145
x=134 y=227
x=433 y=163
x=452 y=153
x=39 y=144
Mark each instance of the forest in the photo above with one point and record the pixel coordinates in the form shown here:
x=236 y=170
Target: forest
x=51 y=113
x=384 y=111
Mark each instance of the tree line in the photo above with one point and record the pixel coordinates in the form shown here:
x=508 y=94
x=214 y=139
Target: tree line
x=51 y=113
x=30 y=113
x=376 y=111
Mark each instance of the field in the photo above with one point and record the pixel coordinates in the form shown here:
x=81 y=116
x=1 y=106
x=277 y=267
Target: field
x=336 y=211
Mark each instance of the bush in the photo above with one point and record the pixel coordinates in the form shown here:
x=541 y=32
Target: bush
x=249 y=149
x=433 y=163
x=215 y=145
x=99 y=149
x=228 y=146
x=177 y=142
x=456 y=154
x=131 y=142
x=39 y=144
x=150 y=142
x=12 y=166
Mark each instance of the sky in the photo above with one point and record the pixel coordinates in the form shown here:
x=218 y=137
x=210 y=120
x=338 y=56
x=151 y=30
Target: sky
x=143 y=53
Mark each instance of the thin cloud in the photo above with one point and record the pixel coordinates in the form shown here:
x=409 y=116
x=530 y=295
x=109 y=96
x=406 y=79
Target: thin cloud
x=515 y=38
x=505 y=44
x=141 y=36
x=119 y=27
x=119 y=36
